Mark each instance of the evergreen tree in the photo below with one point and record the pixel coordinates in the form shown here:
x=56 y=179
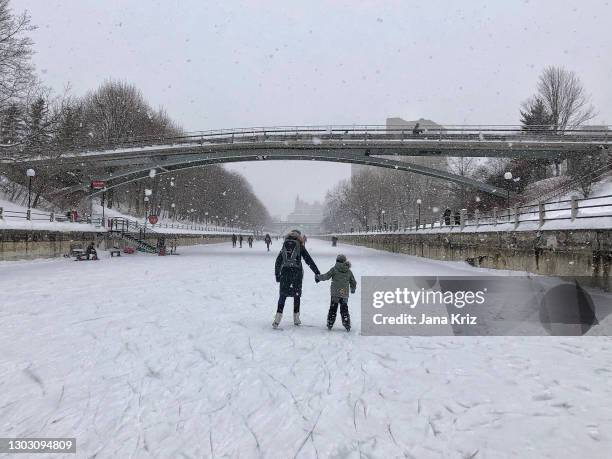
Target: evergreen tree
x=38 y=126
x=535 y=119
x=534 y=116
x=13 y=126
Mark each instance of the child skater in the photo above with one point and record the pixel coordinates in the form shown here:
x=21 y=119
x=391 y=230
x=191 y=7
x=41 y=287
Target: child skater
x=342 y=278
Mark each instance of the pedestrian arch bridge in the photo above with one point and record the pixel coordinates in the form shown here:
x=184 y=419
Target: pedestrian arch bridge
x=122 y=161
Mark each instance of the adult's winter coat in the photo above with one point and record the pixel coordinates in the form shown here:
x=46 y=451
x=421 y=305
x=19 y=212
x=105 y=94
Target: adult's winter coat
x=291 y=278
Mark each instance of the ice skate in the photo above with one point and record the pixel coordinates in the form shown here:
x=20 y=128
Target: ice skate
x=296 y=319
x=331 y=318
x=277 y=319
x=346 y=321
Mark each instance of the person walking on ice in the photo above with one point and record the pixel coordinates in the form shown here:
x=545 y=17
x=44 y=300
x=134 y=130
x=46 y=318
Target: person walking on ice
x=250 y=241
x=342 y=279
x=268 y=241
x=234 y=239
x=289 y=273
x=240 y=239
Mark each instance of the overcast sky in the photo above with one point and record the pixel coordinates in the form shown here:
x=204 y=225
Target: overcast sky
x=255 y=63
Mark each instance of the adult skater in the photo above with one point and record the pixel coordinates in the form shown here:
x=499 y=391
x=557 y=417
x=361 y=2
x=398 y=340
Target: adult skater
x=240 y=239
x=250 y=241
x=234 y=239
x=289 y=273
x=268 y=241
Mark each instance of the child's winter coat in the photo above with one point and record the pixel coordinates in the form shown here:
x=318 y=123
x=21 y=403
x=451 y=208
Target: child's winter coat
x=342 y=278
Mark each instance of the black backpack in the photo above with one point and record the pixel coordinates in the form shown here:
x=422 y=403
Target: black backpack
x=291 y=254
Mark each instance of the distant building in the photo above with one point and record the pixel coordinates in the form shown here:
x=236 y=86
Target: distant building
x=305 y=212
x=306 y=217
x=425 y=125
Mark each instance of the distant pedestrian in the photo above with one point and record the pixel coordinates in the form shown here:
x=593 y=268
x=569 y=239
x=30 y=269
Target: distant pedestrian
x=447 y=216
x=240 y=239
x=250 y=241
x=268 y=241
x=91 y=252
x=234 y=240
x=457 y=217
x=417 y=130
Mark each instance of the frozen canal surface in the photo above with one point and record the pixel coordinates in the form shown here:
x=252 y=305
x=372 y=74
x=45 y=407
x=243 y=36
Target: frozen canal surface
x=175 y=357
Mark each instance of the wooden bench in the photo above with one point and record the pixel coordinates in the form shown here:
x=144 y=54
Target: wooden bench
x=115 y=251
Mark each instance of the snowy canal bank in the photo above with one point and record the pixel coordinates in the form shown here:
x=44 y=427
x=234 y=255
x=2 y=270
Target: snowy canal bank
x=165 y=357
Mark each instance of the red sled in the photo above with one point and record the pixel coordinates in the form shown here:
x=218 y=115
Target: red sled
x=128 y=250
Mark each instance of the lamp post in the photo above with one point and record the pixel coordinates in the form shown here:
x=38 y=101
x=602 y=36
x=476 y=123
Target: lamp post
x=173 y=211
x=508 y=177
x=383 y=218
x=146 y=205
x=103 y=197
x=418 y=213
x=30 y=173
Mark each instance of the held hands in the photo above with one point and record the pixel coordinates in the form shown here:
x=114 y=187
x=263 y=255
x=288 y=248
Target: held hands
x=317 y=278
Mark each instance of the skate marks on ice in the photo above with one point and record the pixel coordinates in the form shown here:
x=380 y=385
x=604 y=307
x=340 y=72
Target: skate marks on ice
x=188 y=365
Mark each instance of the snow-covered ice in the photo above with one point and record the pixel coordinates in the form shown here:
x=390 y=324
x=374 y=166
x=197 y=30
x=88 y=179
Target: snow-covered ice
x=144 y=356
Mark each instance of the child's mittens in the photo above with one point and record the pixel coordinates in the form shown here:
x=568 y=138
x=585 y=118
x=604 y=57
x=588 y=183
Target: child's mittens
x=352 y=291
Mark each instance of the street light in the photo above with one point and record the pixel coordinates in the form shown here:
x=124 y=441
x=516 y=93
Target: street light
x=146 y=203
x=508 y=176
x=173 y=211
x=419 y=213
x=30 y=173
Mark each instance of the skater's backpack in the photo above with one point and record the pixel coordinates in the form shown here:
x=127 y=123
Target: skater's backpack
x=290 y=254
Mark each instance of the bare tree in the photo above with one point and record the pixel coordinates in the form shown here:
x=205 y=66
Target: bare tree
x=16 y=70
x=564 y=98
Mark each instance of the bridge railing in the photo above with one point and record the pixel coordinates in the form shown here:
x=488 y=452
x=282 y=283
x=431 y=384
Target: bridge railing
x=570 y=210
x=349 y=133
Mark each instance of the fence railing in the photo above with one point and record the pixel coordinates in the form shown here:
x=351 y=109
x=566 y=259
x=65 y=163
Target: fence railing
x=96 y=220
x=570 y=210
x=37 y=215
x=129 y=225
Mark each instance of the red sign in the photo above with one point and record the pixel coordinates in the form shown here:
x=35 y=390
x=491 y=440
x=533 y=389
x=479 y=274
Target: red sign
x=98 y=184
x=153 y=219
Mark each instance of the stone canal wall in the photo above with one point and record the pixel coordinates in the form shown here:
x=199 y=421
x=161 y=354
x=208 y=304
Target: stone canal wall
x=585 y=253
x=29 y=244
